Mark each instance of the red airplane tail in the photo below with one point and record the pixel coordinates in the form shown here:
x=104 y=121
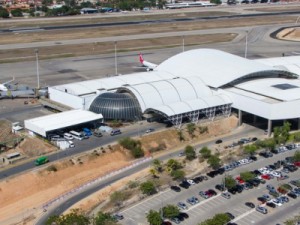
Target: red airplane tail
x=141 y=58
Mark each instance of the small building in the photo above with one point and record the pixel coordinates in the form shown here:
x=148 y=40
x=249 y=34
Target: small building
x=46 y=125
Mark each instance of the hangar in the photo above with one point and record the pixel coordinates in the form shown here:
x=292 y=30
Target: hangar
x=195 y=84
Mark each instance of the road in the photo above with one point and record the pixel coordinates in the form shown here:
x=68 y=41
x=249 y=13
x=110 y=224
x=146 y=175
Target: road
x=135 y=214
x=83 y=146
x=66 y=203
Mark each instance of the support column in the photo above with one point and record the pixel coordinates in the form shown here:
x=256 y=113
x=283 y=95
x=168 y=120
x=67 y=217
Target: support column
x=240 y=117
x=254 y=119
x=269 y=128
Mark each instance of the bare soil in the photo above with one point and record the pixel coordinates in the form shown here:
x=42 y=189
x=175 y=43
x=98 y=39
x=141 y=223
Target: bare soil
x=290 y=34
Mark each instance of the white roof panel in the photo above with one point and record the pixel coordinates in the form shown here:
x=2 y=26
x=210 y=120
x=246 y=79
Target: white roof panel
x=277 y=88
x=42 y=125
x=215 y=68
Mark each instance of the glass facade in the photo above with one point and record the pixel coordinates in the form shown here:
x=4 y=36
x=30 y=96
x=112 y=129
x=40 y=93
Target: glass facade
x=119 y=106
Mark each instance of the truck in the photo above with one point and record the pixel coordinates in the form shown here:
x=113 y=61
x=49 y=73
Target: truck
x=42 y=160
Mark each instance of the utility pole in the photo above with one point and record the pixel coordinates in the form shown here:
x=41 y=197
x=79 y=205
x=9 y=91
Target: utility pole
x=116 y=63
x=246 y=45
x=182 y=43
x=37 y=68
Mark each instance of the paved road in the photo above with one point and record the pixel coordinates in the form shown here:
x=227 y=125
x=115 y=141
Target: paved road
x=82 y=146
x=135 y=214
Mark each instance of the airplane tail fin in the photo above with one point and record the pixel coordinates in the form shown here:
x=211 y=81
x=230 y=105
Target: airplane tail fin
x=141 y=58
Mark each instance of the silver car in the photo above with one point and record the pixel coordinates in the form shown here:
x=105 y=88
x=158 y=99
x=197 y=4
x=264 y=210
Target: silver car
x=226 y=195
x=261 y=209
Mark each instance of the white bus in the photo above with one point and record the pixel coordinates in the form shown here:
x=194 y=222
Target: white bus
x=76 y=135
x=13 y=155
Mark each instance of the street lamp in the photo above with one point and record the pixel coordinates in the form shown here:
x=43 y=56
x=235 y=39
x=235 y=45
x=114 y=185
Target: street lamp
x=37 y=67
x=116 y=64
x=246 y=44
x=182 y=43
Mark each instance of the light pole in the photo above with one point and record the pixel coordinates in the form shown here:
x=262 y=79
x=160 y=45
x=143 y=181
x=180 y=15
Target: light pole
x=116 y=64
x=37 y=68
x=182 y=43
x=246 y=44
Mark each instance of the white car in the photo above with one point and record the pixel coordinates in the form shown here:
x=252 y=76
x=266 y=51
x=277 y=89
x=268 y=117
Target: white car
x=276 y=202
x=71 y=144
x=191 y=182
x=275 y=173
x=68 y=136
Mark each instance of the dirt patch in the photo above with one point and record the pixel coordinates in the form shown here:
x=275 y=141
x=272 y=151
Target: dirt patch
x=290 y=34
x=280 y=8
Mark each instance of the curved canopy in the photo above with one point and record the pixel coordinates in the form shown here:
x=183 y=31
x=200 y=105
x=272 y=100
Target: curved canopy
x=215 y=68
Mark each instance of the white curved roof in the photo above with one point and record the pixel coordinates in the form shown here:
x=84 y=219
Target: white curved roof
x=215 y=68
x=176 y=96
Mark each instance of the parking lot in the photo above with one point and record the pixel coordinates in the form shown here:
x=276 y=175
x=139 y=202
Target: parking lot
x=207 y=208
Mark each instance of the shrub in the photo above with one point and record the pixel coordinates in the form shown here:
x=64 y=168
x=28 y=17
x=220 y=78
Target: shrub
x=52 y=168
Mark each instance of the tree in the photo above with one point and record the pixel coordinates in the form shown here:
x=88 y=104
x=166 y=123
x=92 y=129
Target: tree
x=148 y=188
x=16 y=12
x=173 y=164
x=246 y=176
x=103 y=219
x=190 y=152
x=191 y=128
x=250 y=149
x=74 y=217
x=137 y=152
x=296 y=156
x=281 y=134
x=87 y=4
x=218 y=2
x=157 y=165
x=229 y=182
x=297 y=136
x=153 y=172
x=4 y=13
x=178 y=174
x=205 y=152
x=154 y=218
x=170 y=211
x=133 y=145
x=214 y=161
x=218 y=219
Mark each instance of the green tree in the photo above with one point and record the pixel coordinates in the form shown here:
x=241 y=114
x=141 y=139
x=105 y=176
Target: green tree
x=118 y=197
x=170 y=211
x=137 y=152
x=229 y=182
x=74 y=217
x=177 y=174
x=296 y=156
x=205 y=152
x=157 y=165
x=190 y=152
x=246 y=176
x=4 y=13
x=297 y=136
x=87 y=4
x=103 y=219
x=218 y=219
x=250 y=149
x=218 y=2
x=191 y=127
x=173 y=164
x=154 y=218
x=133 y=145
x=148 y=188
x=214 y=161
x=16 y=13
x=281 y=134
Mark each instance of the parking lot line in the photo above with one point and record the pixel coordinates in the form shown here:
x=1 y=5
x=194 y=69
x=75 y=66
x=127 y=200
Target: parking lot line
x=243 y=215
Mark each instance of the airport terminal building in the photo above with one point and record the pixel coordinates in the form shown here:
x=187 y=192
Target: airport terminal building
x=192 y=85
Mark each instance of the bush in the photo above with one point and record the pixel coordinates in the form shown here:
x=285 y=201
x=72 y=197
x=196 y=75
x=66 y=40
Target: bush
x=177 y=174
x=16 y=13
x=190 y=152
x=205 y=152
x=133 y=145
x=52 y=168
x=148 y=188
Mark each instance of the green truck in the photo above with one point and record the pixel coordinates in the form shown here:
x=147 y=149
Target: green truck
x=42 y=160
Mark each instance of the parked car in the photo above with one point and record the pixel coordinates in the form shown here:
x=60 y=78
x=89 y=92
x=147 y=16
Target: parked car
x=118 y=216
x=292 y=195
x=175 y=220
x=261 y=209
x=191 y=182
x=184 y=185
x=182 y=205
x=250 y=204
x=271 y=204
x=149 y=130
x=226 y=195
x=68 y=136
x=230 y=216
x=185 y=215
x=192 y=200
x=175 y=188
x=219 y=141
x=220 y=187
x=203 y=194
x=270 y=187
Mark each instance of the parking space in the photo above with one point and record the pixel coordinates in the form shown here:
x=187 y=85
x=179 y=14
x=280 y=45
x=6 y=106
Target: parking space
x=206 y=208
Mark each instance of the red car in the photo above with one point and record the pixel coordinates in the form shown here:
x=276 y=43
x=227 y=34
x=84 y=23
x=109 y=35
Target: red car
x=240 y=180
x=297 y=164
x=266 y=176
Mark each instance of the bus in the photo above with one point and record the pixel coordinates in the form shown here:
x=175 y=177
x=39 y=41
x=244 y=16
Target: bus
x=42 y=160
x=77 y=135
